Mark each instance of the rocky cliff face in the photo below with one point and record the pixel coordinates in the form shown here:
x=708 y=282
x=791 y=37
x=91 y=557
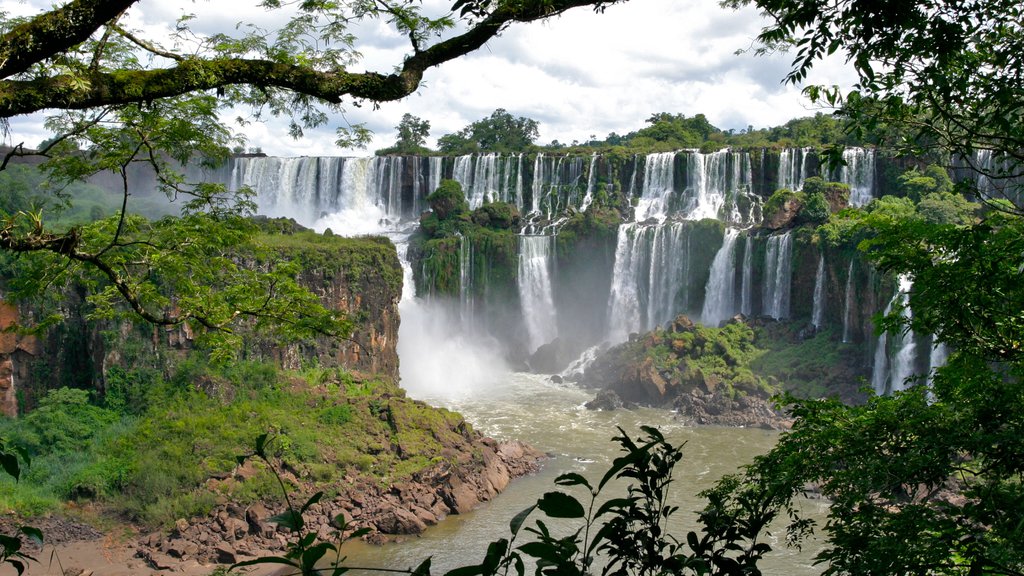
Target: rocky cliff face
x=360 y=277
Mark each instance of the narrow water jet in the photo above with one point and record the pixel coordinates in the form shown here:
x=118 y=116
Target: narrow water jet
x=848 y=306
x=818 y=309
x=720 y=298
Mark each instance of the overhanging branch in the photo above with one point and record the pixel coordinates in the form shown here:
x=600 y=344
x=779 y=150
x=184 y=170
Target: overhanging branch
x=195 y=74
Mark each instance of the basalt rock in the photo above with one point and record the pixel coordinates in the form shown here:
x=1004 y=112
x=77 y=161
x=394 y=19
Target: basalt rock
x=232 y=532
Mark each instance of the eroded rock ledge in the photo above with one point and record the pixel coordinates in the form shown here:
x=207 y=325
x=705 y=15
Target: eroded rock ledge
x=233 y=532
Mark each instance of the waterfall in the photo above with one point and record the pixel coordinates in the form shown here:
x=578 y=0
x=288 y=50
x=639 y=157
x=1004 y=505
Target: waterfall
x=538 y=183
x=778 y=267
x=624 y=298
x=747 y=282
x=434 y=178
x=818 y=311
x=714 y=183
x=880 y=367
x=903 y=363
x=535 y=294
x=719 y=295
x=793 y=168
x=848 y=306
x=465 y=281
x=890 y=375
x=591 y=179
x=648 y=278
x=936 y=358
x=859 y=174
x=659 y=183
x=351 y=196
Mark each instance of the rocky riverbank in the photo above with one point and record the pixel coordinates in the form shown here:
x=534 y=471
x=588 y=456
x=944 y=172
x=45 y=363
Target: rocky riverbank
x=234 y=532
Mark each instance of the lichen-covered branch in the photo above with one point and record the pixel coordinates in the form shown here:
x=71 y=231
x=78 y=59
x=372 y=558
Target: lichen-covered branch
x=192 y=74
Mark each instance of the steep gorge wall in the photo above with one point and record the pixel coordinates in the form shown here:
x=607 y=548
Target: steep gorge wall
x=360 y=277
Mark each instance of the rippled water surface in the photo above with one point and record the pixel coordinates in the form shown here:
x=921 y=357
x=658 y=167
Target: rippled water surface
x=551 y=417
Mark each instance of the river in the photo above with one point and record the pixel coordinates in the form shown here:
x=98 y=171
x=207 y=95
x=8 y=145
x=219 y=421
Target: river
x=551 y=417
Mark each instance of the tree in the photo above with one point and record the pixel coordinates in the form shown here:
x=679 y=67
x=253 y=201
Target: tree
x=119 y=98
x=945 y=74
x=915 y=184
x=412 y=135
x=928 y=480
x=499 y=132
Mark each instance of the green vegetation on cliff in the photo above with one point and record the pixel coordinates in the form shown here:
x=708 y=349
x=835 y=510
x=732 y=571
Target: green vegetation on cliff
x=763 y=359
x=156 y=449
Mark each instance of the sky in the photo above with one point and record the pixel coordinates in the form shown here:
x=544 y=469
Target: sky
x=578 y=75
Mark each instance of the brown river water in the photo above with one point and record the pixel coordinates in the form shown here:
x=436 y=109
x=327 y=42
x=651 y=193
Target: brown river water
x=552 y=417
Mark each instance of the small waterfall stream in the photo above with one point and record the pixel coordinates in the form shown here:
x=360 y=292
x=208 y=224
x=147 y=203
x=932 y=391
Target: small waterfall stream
x=778 y=267
x=719 y=299
x=535 y=293
x=747 y=281
x=818 y=309
x=859 y=174
x=848 y=305
x=890 y=374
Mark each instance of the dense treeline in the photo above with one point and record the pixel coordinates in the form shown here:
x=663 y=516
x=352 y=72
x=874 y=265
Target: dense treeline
x=502 y=132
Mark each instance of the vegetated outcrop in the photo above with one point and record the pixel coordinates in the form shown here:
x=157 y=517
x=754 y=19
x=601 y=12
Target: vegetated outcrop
x=466 y=470
x=722 y=376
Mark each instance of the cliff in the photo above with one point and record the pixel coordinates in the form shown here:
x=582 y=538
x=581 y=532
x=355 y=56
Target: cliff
x=361 y=277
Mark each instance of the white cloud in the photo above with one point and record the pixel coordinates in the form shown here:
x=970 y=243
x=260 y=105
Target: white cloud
x=579 y=74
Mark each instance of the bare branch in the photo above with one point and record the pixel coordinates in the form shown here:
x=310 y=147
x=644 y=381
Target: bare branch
x=54 y=32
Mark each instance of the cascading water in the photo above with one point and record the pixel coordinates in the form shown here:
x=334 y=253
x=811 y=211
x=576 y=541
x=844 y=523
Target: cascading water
x=859 y=174
x=659 y=184
x=937 y=357
x=848 y=306
x=890 y=375
x=720 y=299
x=465 y=281
x=818 y=309
x=903 y=363
x=649 y=277
x=535 y=292
x=793 y=168
x=778 y=267
x=747 y=282
x=714 y=182
x=588 y=198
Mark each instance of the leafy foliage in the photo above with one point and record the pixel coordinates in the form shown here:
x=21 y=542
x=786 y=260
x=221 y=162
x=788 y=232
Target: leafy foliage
x=499 y=132
x=941 y=74
x=926 y=480
x=619 y=535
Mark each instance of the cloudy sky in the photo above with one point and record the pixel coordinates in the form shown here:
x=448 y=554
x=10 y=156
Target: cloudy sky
x=578 y=75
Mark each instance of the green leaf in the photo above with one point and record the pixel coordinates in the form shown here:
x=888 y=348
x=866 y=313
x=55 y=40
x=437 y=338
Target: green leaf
x=9 y=462
x=314 y=553
x=613 y=505
x=517 y=521
x=33 y=534
x=560 y=505
x=312 y=500
x=261 y=445
x=289 y=519
x=572 y=479
x=542 y=551
x=423 y=569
